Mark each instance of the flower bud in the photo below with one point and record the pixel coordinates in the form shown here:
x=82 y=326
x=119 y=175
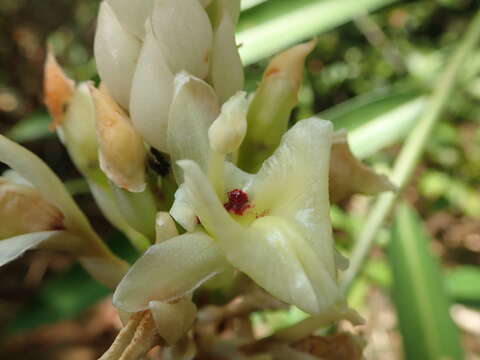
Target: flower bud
x=152 y=92
x=272 y=105
x=58 y=89
x=226 y=70
x=23 y=210
x=132 y=14
x=165 y=227
x=116 y=53
x=228 y=130
x=76 y=123
x=184 y=35
x=121 y=149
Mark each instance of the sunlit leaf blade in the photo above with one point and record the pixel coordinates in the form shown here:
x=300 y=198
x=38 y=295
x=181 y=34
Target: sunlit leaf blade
x=274 y=25
x=375 y=122
x=422 y=305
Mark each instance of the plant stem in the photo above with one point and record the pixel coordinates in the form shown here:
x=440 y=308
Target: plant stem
x=411 y=152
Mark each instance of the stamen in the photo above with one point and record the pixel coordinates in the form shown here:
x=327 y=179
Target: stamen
x=238 y=202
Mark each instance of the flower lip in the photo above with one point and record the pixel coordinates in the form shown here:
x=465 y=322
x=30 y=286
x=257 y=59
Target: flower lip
x=238 y=202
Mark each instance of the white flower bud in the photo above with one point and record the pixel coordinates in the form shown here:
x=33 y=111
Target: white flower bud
x=228 y=130
x=121 y=149
x=184 y=34
x=116 y=53
x=132 y=14
x=164 y=227
x=23 y=210
x=227 y=69
x=152 y=92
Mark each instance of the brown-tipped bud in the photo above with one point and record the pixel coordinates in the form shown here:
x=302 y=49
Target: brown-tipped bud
x=349 y=176
x=122 y=152
x=58 y=89
x=23 y=210
x=290 y=64
x=272 y=105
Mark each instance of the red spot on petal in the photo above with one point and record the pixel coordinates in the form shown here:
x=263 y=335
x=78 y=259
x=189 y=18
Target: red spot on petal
x=238 y=202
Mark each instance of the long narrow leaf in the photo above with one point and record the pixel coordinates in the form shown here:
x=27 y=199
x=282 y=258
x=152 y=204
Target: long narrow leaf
x=276 y=24
x=376 y=122
x=423 y=308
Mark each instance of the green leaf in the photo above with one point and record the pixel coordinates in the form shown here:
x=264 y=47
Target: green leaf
x=422 y=306
x=32 y=128
x=463 y=283
x=376 y=121
x=63 y=297
x=436 y=184
x=274 y=25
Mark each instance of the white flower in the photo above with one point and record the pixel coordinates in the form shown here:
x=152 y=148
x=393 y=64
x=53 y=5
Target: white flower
x=273 y=226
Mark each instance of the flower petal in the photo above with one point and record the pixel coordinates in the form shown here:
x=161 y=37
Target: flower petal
x=151 y=96
x=184 y=34
x=132 y=15
x=226 y=68
x=116 y=52
x=348 y=175
x=293 y=183
x=14 y=247
x=277 y=256
x=194 y=108
x=173 y=320
x=178 y=265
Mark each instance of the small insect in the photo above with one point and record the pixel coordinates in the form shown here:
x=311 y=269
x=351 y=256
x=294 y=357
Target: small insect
x=159 y=163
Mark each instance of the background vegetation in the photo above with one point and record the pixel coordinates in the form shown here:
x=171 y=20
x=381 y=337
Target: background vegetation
x=371 y=73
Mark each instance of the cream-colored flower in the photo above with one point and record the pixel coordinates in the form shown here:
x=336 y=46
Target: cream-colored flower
x=274 y=226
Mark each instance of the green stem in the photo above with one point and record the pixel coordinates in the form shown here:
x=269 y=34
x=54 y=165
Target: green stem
x=411 y=152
